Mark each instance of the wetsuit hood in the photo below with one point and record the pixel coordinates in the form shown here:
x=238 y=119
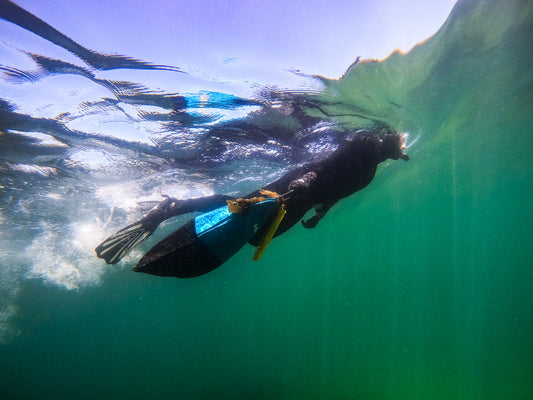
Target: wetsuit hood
x=393 y=146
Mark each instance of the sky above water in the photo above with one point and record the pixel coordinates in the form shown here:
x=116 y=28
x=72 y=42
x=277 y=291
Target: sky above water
x=247 y=38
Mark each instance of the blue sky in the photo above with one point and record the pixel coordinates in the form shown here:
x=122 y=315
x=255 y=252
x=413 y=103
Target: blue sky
x=315 y=36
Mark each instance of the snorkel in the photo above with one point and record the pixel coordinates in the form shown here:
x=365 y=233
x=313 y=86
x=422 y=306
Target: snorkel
x=403 y=146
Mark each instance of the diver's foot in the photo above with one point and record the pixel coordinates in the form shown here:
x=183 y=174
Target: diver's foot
x=164 y=210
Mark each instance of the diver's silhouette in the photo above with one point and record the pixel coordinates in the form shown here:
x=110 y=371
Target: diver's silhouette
x=207 y=241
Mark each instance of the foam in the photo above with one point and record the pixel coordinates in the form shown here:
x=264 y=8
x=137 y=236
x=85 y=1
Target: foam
x=124 y=195
x=9 y=289
x=67 y=260
x=8 y=310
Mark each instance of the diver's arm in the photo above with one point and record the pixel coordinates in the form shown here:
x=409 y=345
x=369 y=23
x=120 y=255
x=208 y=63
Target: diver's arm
x=305 y=186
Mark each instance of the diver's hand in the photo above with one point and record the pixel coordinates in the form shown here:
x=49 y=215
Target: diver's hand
x=320 y=210
x=311 y=222
x=299 y=185
x=161 y=208
x=168 y=208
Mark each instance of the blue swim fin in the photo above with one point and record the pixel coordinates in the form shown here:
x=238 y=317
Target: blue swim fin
x=207 y=241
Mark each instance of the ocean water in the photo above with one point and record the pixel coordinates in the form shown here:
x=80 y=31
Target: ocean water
x=418 y=287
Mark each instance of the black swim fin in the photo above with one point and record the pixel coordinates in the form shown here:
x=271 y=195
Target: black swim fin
x=119 y=244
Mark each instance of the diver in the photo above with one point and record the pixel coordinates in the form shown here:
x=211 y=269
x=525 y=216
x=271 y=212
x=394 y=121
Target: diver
x=207 y=241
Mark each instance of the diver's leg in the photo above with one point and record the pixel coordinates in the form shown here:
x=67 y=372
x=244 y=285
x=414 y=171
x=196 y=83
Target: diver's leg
x=202 y=204
x=171 y=207
x=119 y=244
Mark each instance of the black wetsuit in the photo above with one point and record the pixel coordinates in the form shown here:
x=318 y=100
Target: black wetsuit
x=318 y=184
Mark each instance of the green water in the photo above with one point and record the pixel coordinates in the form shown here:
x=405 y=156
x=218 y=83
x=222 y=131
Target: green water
x=418 y=287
